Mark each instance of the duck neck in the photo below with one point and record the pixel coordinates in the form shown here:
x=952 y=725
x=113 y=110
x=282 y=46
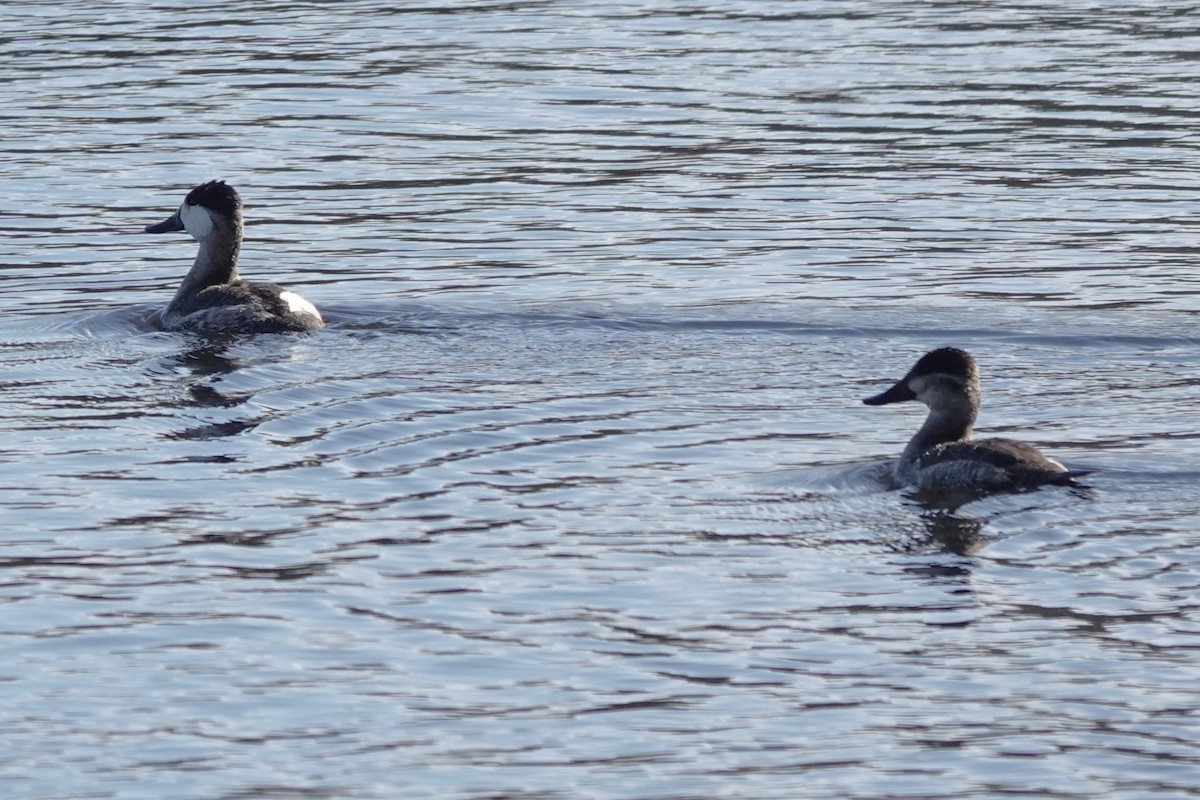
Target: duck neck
x=941 y=426
x=216 y=262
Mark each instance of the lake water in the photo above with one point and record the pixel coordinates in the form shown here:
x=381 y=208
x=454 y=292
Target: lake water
x=575 y=497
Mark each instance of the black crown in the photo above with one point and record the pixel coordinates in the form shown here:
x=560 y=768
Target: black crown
x=215 y=195
x=946 y=360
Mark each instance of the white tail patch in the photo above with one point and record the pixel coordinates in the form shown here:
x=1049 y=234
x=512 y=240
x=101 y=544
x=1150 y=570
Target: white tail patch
x=298 y=305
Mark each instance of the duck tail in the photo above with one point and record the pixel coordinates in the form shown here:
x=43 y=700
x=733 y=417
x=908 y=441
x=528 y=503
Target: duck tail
x=1069 y=477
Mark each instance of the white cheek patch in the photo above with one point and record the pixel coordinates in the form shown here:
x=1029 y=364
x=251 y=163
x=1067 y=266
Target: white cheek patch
x=196 y=220
x=298 y=305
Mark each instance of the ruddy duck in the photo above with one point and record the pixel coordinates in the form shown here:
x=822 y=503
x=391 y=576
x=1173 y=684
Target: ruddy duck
x=212 y=298
x=942 y=455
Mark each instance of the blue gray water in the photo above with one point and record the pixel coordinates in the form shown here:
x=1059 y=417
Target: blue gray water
x=575 y=498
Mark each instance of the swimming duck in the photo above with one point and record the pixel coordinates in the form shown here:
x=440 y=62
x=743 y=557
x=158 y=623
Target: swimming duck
x=942 y=455
x=212 y=298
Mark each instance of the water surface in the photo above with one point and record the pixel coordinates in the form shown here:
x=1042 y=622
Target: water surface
x=575 y=497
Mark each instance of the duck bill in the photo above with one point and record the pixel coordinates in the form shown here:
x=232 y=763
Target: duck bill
x=171 y=223
x=897 y=394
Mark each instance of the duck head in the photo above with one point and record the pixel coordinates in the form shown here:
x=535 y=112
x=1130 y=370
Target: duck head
x=210 y=207
x=943 y=379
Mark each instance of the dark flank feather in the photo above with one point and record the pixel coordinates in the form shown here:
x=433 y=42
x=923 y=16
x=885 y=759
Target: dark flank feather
x=1018 y=461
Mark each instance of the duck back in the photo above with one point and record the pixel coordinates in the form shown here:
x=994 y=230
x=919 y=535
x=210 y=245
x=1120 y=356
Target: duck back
x=991 y=464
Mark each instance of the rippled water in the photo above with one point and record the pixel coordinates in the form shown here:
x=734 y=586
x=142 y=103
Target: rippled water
x=575 y=497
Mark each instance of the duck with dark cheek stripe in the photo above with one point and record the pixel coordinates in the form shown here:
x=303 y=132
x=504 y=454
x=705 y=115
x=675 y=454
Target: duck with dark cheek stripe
x=942 y=455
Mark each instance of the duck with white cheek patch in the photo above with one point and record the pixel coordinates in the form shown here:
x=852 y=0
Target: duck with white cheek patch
x=942 y=456
x=212 y=298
